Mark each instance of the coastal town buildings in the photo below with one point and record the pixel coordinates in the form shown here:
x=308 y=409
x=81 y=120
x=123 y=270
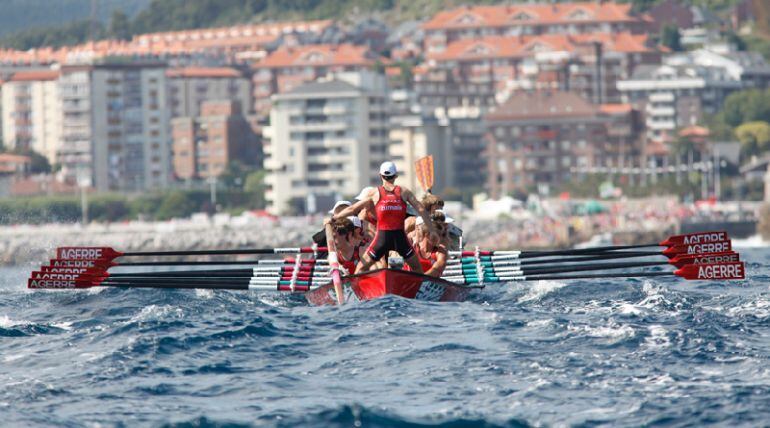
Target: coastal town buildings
x=589 y=64
x=32 y=112
x=290 y=66
x=326 y=137
x=204 y=145
x=413 y=136
x=538 y=138
x=115 y=126
x=189 y=87
x=474 y=22
x=686 y=86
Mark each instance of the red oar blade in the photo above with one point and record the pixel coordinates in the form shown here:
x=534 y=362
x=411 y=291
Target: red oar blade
x=683 y=260
x=695 y=238
x=68 y=263
x=713 y=271
x=705 y=248
x=38 y=283
x=87 y=253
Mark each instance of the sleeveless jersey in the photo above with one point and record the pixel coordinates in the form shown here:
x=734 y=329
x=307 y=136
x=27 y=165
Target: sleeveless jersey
x=390 y=209
x=425 y=262
x=349 y=265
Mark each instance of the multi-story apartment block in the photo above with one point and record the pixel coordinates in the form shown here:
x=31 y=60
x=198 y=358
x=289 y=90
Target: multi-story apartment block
x=589 y=64
x=473 y=22
x=191 y=86
x=413 y=136
x=326 y=137
x=537 y=138
x=31 y=112
x=440 y=89
x=288 y=67
x=686 y=86
x=116 y=126
x=205 y=145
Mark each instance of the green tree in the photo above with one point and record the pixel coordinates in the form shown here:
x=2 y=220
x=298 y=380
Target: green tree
x=175 y=205
x=255 y=185
x=235 y=175
x=754 y=137
x=120 y=26
x=670 y=38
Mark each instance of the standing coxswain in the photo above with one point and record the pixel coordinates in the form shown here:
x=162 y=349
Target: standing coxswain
x=389 y=202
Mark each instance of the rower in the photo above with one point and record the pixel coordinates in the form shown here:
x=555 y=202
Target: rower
x=320 y=237
x=431 y=252
x=389 y=202
x=347 y=241
x=431 y=203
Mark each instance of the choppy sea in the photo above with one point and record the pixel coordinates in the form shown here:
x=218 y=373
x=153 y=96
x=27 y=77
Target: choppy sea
x=623 y=352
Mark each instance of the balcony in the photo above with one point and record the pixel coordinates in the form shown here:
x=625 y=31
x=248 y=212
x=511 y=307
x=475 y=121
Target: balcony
x=661 y=124
x=664 y=97
x=320 y=127
x=660 y=111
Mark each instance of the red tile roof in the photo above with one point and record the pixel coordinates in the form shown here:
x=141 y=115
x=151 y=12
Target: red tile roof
x=204 y=72
x=615 y=108
x=529 y=14
x=175 y=42
x=544 y=105
x=526 y=46
x=694 y=131
x=32 y=76
x=317 y=56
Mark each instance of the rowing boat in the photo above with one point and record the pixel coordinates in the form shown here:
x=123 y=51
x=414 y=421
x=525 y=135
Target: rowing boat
x=381 y=282
x=696 y=256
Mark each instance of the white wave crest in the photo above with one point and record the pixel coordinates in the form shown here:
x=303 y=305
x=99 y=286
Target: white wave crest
x=541 y=289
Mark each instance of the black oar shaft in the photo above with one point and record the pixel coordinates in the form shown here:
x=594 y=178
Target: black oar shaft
x=597 y=276
x=591 y=257
x=590 y=267
x=575 y=252
x=172 y=285
x=201 y=252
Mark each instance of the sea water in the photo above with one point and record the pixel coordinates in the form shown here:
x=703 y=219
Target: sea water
x=624 y=352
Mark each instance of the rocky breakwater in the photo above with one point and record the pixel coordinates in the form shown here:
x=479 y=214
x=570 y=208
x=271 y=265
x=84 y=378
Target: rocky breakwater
x=27 y=244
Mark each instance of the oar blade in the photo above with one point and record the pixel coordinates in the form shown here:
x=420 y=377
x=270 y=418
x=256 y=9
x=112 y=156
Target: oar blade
x=87 y=253
x=704 y=248
x=714 y=271
x=695 y=238
x=683 y=260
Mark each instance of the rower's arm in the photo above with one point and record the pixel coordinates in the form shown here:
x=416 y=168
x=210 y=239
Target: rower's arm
x=353 y=209
x=412 y=200
x=438 y=267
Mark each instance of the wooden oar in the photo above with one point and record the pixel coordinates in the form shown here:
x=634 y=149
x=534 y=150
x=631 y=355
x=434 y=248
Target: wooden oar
x=334 y=265
x=425 y=174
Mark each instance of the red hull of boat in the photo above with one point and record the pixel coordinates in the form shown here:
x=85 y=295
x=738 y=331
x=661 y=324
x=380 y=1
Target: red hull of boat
x=378 y=283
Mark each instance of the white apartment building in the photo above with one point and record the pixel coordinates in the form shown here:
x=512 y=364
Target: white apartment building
x=116 y=126
x=31 y=112
x=414 y=136
x=326 y=137
x=686 y=86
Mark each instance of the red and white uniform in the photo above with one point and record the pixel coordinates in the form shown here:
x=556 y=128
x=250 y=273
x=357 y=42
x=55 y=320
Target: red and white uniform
x=391 y=213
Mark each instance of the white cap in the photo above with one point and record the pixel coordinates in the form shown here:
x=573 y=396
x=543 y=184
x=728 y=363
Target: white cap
x=356 y=221
x=388 y=169
x=447 y=219
x=339 y=204
x=419 y=221
x=364 y=193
